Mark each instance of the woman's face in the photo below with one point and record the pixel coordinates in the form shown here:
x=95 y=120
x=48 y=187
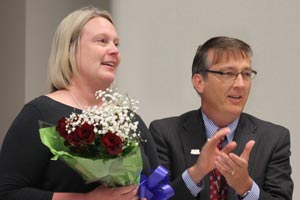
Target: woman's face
x=98 y=56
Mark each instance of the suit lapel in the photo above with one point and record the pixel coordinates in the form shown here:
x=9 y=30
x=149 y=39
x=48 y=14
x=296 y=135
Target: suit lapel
x=244 y=133
x=193 y=136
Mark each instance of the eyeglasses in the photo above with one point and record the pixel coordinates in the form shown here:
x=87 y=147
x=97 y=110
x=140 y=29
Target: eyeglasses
x=229 y=75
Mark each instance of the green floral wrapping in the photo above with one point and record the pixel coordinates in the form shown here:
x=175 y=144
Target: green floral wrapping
x=119 y=171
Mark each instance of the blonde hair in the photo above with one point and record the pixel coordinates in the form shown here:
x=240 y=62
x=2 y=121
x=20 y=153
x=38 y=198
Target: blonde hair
x=62 y=62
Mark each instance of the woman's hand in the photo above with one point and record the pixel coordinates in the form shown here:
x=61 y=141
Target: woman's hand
x=102 y=193
x=106 y=193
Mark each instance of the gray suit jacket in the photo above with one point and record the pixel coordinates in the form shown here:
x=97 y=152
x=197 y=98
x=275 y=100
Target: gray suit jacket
x=269 y=162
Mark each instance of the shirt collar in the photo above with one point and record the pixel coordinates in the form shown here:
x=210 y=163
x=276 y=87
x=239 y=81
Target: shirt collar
x=211 y=128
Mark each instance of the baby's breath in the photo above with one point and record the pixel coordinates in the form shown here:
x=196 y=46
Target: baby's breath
x=116 y=115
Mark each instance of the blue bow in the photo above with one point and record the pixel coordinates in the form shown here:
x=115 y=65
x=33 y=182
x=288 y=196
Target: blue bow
x=156 y=186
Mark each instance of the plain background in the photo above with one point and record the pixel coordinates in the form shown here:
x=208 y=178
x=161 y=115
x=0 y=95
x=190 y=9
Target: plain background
x=158 y=43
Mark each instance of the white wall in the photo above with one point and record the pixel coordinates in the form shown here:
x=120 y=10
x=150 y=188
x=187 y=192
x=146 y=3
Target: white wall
x=12 y=59
x=159 y=40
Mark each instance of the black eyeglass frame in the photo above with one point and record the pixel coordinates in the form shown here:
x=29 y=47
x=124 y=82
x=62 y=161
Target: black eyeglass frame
x=253 y=72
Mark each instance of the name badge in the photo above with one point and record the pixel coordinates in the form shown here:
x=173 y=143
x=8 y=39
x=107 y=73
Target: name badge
x=195 y=151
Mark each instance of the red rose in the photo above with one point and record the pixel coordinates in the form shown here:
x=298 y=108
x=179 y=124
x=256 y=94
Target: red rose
x=80 y=138
x=71 y=139
x=84 y=134
x=61 y=127
x=112 y=143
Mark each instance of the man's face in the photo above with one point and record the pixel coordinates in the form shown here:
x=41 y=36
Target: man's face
x=226 y=98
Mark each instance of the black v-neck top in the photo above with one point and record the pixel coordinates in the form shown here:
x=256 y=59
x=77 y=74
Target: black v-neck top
x=26 y=170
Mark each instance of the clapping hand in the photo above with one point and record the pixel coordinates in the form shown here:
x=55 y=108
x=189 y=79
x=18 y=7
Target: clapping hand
x=208 y=155
x=235 y=168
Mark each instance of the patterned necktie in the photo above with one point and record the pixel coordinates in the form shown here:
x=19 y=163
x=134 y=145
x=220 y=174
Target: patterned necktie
x=217 y=184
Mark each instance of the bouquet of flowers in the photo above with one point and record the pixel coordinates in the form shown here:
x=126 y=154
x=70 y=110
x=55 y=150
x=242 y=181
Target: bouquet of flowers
x=101 y=143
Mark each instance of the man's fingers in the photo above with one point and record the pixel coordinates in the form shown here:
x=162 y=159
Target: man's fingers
x=247 y=150
x=229 y=147
x=216 y=138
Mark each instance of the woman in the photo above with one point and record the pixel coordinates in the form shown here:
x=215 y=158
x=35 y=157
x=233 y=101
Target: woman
x=84 y=59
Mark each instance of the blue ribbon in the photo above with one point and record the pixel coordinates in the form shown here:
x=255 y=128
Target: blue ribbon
x=156 y=186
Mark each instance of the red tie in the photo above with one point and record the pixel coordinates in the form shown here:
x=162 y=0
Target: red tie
x=217 y=190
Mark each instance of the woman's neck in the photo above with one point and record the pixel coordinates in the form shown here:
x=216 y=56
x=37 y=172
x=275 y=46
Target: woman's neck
x=83 y=92
x=83 y=98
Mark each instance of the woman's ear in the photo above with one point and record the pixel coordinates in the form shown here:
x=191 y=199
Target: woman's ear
x=198 y=83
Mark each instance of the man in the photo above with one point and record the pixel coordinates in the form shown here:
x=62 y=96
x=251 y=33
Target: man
x=254 y=160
